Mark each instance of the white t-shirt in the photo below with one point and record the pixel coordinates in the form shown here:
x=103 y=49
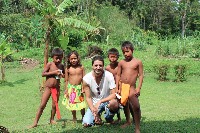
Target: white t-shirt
x=106 y=84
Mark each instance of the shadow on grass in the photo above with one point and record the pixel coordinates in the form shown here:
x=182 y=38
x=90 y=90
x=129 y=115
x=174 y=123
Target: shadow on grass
x=12 y=84
x=190 y=125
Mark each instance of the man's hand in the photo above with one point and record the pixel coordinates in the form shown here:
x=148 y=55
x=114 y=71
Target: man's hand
x=98 y=104
x=94 y=111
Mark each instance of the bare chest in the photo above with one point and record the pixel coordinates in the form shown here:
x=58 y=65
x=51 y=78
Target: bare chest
x=75 y=72
x=113 y=70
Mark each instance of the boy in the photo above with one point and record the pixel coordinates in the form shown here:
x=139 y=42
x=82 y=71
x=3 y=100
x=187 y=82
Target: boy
x=53 y=71
x=113 y=55
x=129 y=69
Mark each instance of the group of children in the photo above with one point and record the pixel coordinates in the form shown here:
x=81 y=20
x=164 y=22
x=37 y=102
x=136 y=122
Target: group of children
x=125 y=72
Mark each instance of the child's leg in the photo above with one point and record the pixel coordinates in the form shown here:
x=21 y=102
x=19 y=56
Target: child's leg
x=82 y=112
x=74 y=115
x=118 y=116
x=53 y=109
x=131 y=110
x=44 y=100
x=127 y=115
x=136 y=109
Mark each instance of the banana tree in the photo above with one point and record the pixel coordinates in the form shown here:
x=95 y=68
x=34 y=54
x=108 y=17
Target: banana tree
x=53 y=16
x=4 y=52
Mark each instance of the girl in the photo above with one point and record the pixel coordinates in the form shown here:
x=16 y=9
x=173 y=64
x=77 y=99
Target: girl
x=73 y=98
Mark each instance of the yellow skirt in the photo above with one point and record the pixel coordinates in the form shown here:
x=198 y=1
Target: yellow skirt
x=76 y=100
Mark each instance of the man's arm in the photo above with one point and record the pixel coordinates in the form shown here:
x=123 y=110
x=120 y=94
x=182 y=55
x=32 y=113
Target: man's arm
x=88 y=97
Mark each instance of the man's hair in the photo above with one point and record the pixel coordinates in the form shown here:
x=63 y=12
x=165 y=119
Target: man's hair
x=127 y=44
x=57 y=52
x=113 y=51
x=97 y=57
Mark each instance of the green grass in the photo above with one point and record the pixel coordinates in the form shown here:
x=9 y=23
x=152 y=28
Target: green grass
x=166 y=106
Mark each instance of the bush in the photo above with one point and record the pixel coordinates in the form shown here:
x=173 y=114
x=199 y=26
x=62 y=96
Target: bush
x=94 y=50
x=163 y=49
x=180 y=73
x=162 y=71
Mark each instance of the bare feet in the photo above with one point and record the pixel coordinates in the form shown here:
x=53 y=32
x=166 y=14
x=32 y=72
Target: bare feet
x=52 y=122
x=74 y=120
x=137 y=131
x=125 y=125
x=34 y=125
x=117 y=121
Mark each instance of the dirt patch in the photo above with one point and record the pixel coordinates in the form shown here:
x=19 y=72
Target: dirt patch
x=28 y=63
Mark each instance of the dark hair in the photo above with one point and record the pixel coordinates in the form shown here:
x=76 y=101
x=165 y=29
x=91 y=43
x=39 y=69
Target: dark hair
x=113 y=51
x=127 y=44
x=97 y=57
x=68 y=56
x=57 y=52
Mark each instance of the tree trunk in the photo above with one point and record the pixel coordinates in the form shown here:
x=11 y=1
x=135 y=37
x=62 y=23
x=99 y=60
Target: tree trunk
x=3 y=72
x=2 y=69
x=46 y=56
x=46 y=50
x=183 y=24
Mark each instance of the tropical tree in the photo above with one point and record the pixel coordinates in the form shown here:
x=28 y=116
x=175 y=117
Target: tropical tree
x=54 y=16
x=4 y=52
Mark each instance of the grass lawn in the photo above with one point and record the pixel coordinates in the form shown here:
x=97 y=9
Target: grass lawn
x=166 y=106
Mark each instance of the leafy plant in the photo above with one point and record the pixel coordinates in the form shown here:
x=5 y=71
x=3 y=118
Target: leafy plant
x=162 y=71
x=4 y=52
x=180 y=73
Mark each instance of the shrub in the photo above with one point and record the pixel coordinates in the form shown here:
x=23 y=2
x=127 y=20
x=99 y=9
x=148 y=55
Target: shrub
x=163 y=50
x=94 y=50
x=180 y=73
x=162 y=71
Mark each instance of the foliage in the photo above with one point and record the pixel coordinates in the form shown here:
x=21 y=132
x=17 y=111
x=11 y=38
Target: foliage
x=141 y=38
x=94 y=50
x=195 y=50
x=5 y=50
x=163 y=50
x=180 y=72
x=118 y=27
x=162 y=71
x=177 y=47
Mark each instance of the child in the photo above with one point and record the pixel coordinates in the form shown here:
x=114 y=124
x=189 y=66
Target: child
x=129 y=69
x=113 y=55
x=73 y=98
x=53 y=73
